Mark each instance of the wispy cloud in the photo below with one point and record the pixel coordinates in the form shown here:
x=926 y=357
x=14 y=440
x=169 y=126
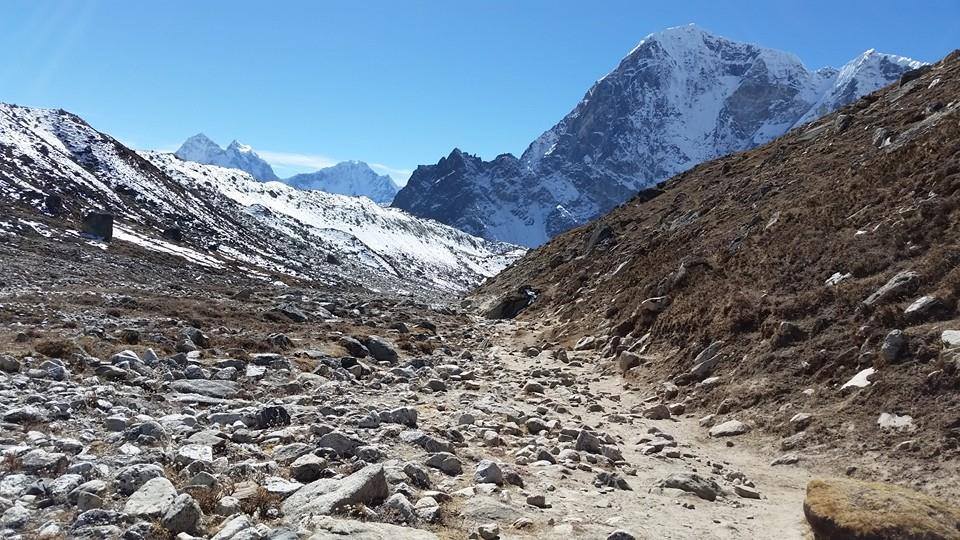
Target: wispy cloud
x=290 y=161
x=400 y=176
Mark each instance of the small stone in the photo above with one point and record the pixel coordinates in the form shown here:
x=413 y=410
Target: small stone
x=895 y=421
x=40 y=461
x=537 y=500
x=800 y=421
x=892 y=346
x=129 y=479
x=746 y=492
x=488 y=472
x=489 y=531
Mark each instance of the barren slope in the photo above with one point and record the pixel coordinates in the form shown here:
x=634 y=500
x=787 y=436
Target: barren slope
x=743 y=249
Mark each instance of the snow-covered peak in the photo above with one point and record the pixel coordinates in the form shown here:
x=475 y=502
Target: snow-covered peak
x=198 y=148
x=353 y=177
x=237 y=146
x=201 y=149
x=863 y=75
x=680 y=97
x=690 y=45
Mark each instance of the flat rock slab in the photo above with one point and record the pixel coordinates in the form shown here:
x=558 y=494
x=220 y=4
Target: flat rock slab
x=851 y=509
x=326 y=496
x=153 y=498
x=328 y=528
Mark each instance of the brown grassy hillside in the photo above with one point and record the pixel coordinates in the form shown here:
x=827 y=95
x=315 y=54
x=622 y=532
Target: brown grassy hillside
x=743 y=247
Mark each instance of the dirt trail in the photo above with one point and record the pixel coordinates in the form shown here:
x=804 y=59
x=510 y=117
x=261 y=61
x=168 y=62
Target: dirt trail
x=580 y=510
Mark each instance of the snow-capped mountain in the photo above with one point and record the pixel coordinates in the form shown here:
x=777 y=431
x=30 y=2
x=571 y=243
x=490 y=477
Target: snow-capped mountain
x=354 y=178
x=54 y=168
x=201 y=149
x=680 y=97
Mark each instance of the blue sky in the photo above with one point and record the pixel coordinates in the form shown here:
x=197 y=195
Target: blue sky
x=388 y=82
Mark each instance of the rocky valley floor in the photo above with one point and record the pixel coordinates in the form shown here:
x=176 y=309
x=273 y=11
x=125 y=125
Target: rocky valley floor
x=141 y=398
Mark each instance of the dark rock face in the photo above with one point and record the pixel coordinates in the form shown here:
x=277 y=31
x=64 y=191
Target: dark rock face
x=681 y=97
x=173 y=233
x=449 y=191
x=99 y=225
x=511 y=305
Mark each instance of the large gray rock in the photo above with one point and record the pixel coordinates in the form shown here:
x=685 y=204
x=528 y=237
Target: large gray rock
x=380 y=349
x=326 y=496
x=488 y=472
x=153 y=499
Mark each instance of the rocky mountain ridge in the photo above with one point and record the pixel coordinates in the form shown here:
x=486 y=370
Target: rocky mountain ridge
x=681 y=97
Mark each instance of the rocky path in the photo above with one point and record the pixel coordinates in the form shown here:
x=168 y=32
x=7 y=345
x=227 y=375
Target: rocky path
x=372 y=419
x=648 y=509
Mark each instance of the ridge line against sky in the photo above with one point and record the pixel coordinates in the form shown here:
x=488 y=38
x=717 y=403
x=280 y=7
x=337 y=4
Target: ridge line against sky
x=389 y=83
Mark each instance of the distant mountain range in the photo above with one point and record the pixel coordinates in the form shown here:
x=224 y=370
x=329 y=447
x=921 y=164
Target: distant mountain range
x=681 y=97
x=54 y=167
x=354 y=178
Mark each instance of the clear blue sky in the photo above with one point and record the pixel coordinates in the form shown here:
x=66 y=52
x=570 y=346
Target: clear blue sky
x=391 y=82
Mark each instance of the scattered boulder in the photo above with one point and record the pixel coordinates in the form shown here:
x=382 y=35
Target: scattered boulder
x=330 y=528
x=847 y=508
x=98 y=225
x=691 y=482
x=488 y=472
x=628 y=360
x=729 y=429
x=325 y=496
x=892 y=346
x=182 y=516
x=900 y=284
x=381 y=350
